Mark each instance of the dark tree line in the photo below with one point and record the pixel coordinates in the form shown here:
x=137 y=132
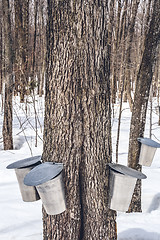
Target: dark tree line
x=22 y=54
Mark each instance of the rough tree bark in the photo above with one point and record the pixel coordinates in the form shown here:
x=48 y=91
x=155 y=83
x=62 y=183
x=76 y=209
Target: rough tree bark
x=128 y=52
x=1 y=49
x=41 y=55
x=144 y=79
x=21 y=46
x=33 y=73
x=7 y=120
x=122 y=45
x=77 y=128
x=115 y=47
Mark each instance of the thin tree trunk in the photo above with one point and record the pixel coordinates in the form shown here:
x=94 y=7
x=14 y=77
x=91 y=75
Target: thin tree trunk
x=33 y=75
x=110 y=40
x=43 y=54
x=128 y=52
x=115 y=55
x=119 y=123
x=24 y=53
x=7 y=121
x=144 y=79
x=1 y=52
x=122 y=44
x=151 y=109
x=17 y=7
x=77 y=128
x=21 y=46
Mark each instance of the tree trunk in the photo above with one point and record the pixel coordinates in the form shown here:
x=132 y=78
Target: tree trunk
x=122 y=44
x=128 y=52
x=21 y=46
x=42 y=65
x=17 y=43
x=115 y=54
x=77 y=128
x=1 y=51
x=144 y=79
x=7 y=121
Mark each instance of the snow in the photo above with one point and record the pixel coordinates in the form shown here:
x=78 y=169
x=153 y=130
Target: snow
x=145 y=225
x=23 y=220
x=20 y=220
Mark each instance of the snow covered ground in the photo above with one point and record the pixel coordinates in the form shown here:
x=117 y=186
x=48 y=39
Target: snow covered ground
x=145 y=225
x=21 y=220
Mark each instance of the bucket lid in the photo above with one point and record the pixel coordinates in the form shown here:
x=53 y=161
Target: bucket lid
x=24 y=163
x=127 y=171
x=149 y=142
x=43 y=173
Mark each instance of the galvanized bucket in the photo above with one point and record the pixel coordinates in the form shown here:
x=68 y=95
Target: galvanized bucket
x=148 y=149
x=22 y=167
x=121 y=186
x=47 y=178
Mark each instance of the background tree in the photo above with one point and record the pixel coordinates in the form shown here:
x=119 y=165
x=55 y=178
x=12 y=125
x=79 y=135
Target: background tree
x=21 y=46
x=77 y=128
x=127 y=85
x=143 y=83
x=1 y=47
x=7 y=120
x=22 y=67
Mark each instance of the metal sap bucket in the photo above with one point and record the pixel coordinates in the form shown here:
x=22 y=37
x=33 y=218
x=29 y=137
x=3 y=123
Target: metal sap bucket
x=47 y=178
x=148 y=149
x=122 y=182
x=22 y=167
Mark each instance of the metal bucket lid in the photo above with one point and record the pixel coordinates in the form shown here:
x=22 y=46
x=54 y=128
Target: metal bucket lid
x=127 y=171
x=149 y=142
x=43 y=173
x=24 y=163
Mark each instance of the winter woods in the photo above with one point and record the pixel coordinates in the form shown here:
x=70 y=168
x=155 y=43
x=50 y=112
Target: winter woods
x=86 y=56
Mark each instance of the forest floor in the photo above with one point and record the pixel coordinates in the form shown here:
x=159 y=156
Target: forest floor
x=23 y=220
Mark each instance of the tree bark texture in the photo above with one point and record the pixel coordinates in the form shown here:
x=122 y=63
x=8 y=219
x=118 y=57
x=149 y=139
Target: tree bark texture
x=128 y=51
x=1 y=49
x=33 y=75
x=115 y=39
x=144 y=79
x=7 y=120
x=77 y=128
x=21 y=46
x=122 y=45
